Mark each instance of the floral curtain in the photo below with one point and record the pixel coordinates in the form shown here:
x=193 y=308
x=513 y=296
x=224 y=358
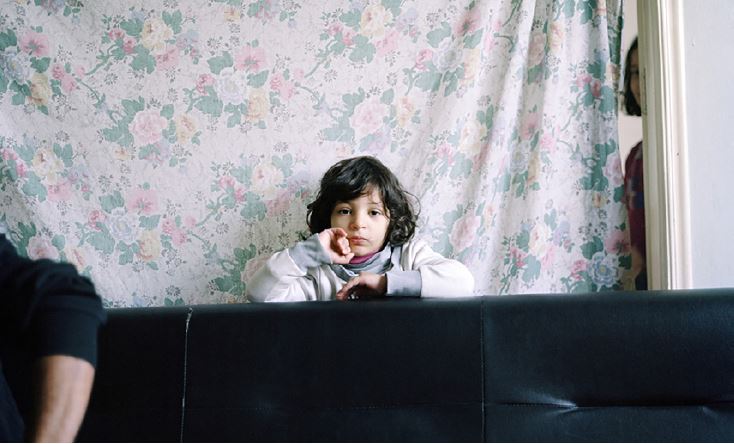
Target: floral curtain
x=166 y=147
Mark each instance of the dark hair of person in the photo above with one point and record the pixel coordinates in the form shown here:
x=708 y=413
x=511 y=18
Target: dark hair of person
x=350 y=178
x=630 y=104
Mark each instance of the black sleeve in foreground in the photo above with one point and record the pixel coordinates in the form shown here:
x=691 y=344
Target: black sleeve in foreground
x=49 y=305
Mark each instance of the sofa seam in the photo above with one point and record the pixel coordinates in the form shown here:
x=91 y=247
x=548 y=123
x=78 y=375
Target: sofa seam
x=482 y=367
x=184 y=376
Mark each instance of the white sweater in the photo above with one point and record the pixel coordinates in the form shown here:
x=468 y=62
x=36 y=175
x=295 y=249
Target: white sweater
x=282 y=280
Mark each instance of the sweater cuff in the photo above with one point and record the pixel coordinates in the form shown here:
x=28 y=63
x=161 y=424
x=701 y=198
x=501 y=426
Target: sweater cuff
x=58 y=332
x=404 y=283
x=309 y=253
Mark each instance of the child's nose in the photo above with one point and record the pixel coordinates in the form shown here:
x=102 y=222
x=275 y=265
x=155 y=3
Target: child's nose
x=357 y=221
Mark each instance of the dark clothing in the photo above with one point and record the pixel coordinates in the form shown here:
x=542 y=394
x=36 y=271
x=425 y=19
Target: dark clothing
x=635 y=200
x=46 y=308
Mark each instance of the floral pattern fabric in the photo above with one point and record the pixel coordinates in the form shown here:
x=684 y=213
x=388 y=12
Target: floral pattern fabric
x=166 y=147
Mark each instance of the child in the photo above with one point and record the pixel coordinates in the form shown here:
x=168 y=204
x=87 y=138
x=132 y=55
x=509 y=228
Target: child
x=362 y=223
x=633 y=182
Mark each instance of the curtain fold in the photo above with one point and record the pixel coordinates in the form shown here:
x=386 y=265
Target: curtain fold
x=165 y=148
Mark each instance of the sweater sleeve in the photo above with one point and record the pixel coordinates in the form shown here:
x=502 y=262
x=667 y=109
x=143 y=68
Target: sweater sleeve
x=49 y=306
x=284 y=277
x=440 y=277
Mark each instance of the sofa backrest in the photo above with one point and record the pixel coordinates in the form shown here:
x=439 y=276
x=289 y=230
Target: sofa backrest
x=653 y=366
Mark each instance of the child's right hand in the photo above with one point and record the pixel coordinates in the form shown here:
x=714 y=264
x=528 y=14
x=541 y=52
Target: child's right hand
x=335 y=242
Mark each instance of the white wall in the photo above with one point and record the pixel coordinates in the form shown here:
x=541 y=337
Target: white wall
x=709 y=70
x=630 y=127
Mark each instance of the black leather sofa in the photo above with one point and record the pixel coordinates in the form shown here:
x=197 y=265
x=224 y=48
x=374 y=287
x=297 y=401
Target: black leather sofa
x=645 y=366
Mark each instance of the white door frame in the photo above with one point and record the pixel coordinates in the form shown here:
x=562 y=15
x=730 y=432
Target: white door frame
x=665 y=147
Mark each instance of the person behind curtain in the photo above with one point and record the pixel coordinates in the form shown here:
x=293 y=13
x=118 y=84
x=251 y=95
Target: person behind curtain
x=51 y=312
x=362 y=223
x=633 y=180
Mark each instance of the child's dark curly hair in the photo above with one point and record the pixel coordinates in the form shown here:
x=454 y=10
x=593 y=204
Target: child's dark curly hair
x=351 y=178
x=630 y=104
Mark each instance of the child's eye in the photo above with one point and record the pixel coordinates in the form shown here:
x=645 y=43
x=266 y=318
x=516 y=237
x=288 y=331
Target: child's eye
x=375 y=213
x=343 y=211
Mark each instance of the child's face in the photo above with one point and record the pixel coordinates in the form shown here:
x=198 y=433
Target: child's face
x=635 y=76
x=365 y=220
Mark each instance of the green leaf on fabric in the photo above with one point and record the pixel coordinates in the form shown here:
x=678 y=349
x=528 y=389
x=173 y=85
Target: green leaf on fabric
x=225 y=283
x=43 y=109
x=242 y=174
x=257 y=80
x=132 y=107
x=3 y=83
x=352 y=100
x=254 y=207
x=592 y=247
x=587 y=8
x=393 y=6
x=428 y=81
x=243 y=255
x=133 y=27
x=618 y=194
x=7 y=39
x=143 y=60
x=126 y=253
x=173 y=20
x=284 y=164
x=102 y=241
x=34 y=187
x=18 y=99
x=338 y=133
x=149 y=222
x=387 y=96
x=58 y=241
x=471 y=41
x=569 y=8
x=437 y=35
x=40 y=65
x=234 y=120
x=532 y=269
x=363 y=50
x=167 y=111
x=523 y=240
x=64 y=153
x=210 y=105
x=111 y=201
x=608 y=100
x=462 y=167
x=351 y=18
x=217 y=64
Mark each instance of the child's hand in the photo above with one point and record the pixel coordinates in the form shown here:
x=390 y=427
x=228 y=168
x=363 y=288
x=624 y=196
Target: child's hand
x=335 y=243
x=364 y=286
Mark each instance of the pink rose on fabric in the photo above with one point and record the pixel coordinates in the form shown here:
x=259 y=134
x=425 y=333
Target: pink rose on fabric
x=34 y=44
x=367 y=118
x=282 y=86
x=68 y=84
x=95 y=217
x=41 y=248
x=59 y=192
x=389 y=43
x=116 y=33
x=424 y=56
x=464 y=232
x=348 y=37
x=204 y=81
x=529 y=126
x=168 y=59
x=469 y=23
x=335 y=28
x=142 y=201
x=128 y=45
x=147 y=127
x=582 y=80
x=178 y=236
x=226 y=182
x=250 y=59
x=596 y=88
x=57 y=71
